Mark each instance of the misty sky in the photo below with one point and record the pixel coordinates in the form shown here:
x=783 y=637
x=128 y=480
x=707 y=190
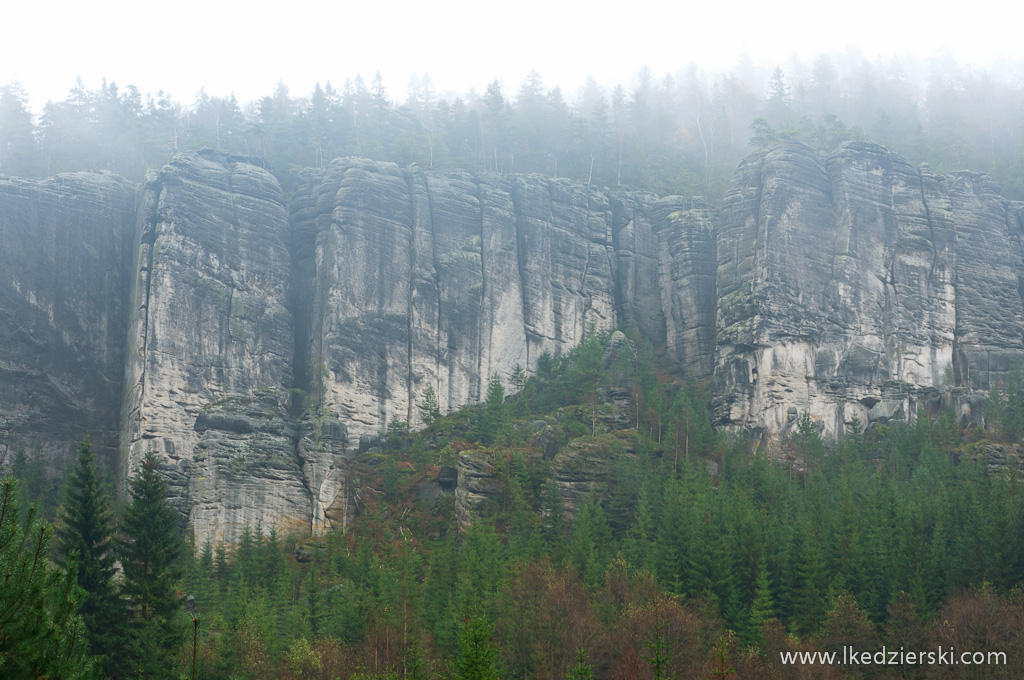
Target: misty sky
x=183 y=45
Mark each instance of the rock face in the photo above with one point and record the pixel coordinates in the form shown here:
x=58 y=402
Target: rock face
x=249 y=341
x=63 y=275
x=855 y=285
x=211 y=346
x=252 y=341
x=414 y=279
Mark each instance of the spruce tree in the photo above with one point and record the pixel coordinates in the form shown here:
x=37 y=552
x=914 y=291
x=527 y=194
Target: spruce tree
x=41 y=635
x=86 y=528
x=476 y=652
x=762 y=608
x=430 y=411
x=150 y=554
x=492 y=418
x=581 y=670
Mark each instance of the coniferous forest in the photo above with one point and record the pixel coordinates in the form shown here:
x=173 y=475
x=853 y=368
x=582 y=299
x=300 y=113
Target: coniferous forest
x=671 y=134
x=690 y=556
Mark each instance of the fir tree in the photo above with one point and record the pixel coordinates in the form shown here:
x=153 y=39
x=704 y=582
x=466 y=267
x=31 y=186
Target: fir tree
x=517 y=378
x=150 y=555
x=40 y=634
x=86 y=529
x=658 y=651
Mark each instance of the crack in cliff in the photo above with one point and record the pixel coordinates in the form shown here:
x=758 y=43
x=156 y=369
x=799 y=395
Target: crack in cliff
x=409 y=301
x=613 y=264
x=616 y=209
x=557 y=305
x=961 y=364
x=520 y=263
x=437 y=291
x=147 y=237
x=480 y=194
x=301 y=251
x=231 y=306
x=931 y=226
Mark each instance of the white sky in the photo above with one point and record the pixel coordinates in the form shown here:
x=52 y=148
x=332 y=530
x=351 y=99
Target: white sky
x=182 y=45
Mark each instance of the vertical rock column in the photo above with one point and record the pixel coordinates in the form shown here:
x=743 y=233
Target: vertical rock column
x=359 y=350
x=835 y=286
x=686 y=280
x=210 y=348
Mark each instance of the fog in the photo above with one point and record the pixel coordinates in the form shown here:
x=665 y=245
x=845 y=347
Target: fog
x=187 y=45
x=664 y=101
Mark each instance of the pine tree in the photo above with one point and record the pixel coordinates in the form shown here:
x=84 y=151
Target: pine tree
x=41 y=635
x=86 y=528
x=150 y=555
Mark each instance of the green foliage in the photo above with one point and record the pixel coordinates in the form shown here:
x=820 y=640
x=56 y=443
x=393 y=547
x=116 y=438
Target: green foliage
x=492 y=419
x=37 y=489
x=676 y=524
x=589 y=543
x=86 y=529
x=397 y=431
x=762 y=609
x=428 y=407
x=476 y=650
x=581 y=670
x=658 y=652
x=151 y=557
x=517 y=378
x=1004 y=409
x=41 y=635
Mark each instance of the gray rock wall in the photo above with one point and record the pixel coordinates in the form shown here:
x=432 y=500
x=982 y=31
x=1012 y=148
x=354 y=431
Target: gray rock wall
x=856 y=286
x=443 y=279
x=211 y=346
x=63 y=273
x=250 y=340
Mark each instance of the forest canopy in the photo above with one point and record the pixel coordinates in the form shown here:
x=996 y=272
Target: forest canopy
x=677 y=133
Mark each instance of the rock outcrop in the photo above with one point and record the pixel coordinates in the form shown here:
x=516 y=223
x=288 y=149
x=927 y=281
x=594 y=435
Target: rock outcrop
x=210 y=352
x=854 y=285
x=252 y=340
x=413 y=279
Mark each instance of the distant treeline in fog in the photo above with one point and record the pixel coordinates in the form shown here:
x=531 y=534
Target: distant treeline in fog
x=680 y=134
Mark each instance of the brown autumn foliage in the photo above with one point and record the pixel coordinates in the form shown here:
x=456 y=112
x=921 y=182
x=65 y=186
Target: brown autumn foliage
x=544 y=617
x=980 y=620
x=686 y=636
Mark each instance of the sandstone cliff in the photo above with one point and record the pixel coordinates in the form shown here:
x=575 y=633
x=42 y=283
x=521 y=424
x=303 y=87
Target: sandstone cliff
x=410 y=279
x=856 y=285
x=63 y=276
x=251 y=339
